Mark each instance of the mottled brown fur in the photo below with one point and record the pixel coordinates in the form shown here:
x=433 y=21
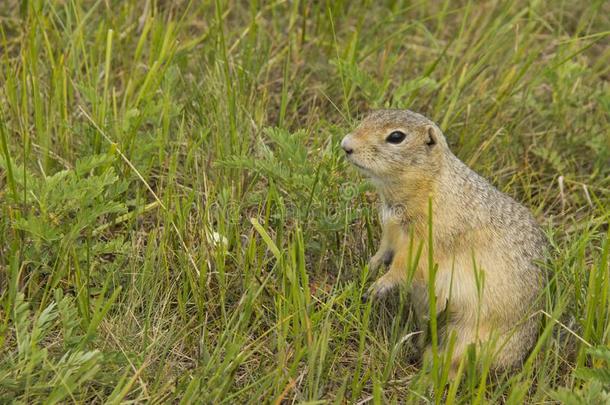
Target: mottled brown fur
x=486 y=244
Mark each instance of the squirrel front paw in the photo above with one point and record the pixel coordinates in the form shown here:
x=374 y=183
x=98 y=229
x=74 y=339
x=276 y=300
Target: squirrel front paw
x=380 y=258
x=375 y=262
x=381 y=287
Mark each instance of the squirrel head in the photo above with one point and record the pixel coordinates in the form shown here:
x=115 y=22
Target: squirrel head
x=394 y=145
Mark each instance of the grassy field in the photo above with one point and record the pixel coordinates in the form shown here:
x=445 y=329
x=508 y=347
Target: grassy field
x=178 y=224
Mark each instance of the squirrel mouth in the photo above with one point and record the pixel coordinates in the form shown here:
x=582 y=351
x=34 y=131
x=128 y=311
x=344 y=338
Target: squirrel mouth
x=359 y=166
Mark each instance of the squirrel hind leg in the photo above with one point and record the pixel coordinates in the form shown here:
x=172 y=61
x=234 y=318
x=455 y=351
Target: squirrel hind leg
x=509 y=349
x=514 y=345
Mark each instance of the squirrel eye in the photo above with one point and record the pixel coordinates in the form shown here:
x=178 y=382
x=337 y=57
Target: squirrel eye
x=396 y=137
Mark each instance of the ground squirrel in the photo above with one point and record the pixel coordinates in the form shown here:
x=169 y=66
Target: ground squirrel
x=486 y=245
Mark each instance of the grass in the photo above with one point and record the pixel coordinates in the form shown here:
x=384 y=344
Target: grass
x=177 y=223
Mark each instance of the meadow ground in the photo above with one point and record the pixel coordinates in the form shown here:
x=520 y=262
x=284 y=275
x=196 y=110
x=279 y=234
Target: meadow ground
x=177 y=221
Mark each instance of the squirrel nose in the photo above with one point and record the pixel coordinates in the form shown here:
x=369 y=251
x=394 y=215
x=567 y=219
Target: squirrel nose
x=345 y=144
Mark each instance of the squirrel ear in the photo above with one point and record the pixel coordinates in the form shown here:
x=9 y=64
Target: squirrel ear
x=431 y=136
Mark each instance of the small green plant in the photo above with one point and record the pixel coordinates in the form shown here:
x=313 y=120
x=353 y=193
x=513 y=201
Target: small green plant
x=61 y=217
x=49 y=360
x=594 y=381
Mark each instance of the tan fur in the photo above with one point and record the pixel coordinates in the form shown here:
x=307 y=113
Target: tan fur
x=485 y=244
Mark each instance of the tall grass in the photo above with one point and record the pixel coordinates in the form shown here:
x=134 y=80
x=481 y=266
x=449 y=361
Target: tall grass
x=177 y=223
